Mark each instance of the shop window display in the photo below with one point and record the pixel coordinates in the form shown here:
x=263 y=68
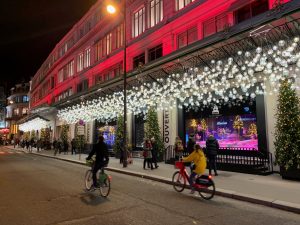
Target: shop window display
x=233 y=127
x=108 y=132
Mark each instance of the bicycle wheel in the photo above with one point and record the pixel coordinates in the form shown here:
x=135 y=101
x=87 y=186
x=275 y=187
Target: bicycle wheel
x=207 y=192
x=104 y=185
x=179 y=181
x=88 y=180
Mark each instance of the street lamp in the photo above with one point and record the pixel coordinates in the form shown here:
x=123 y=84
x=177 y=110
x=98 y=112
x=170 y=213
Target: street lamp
x=111 y=9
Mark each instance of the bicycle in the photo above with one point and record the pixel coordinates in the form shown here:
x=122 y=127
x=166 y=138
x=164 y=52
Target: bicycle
x=203 y=184
x=103 y=179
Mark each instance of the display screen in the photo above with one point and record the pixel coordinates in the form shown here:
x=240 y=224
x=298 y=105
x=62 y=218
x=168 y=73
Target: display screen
x=239 y=131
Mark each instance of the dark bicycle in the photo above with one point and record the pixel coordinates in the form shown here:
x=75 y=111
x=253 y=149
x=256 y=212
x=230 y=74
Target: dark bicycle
x=103 y=179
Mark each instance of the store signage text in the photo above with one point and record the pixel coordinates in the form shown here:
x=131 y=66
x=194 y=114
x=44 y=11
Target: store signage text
x=166 y=127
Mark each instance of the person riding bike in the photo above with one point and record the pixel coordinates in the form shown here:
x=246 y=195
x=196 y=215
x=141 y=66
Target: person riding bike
x=102 y=159
x=199 y=161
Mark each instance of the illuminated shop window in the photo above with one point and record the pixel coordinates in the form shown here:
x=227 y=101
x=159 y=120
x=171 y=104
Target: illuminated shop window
x=138 y=22
x=16 y=112
x=182 y=3
x=156 y=12
x=24 y=111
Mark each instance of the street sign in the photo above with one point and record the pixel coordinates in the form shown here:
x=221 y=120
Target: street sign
x=80 y=130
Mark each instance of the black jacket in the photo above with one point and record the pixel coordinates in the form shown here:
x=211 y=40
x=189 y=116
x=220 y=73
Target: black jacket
x=190 y=145
x=101 y=153
x=212 y=146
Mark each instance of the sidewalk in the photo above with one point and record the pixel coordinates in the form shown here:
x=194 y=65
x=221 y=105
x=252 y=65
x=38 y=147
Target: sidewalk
x=266 y=190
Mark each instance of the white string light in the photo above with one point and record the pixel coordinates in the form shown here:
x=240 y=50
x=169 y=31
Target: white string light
x=224 y=80
x=35 y=124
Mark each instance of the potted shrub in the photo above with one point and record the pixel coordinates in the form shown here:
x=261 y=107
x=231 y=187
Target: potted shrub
x=287 y=133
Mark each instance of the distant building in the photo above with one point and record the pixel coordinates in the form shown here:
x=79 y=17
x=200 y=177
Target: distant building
x=2 y=107
x=17 y=107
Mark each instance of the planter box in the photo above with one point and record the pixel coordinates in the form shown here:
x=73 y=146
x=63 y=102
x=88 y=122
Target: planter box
x=291 y=174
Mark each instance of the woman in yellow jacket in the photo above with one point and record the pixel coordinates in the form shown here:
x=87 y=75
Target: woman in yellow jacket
x=199 y=159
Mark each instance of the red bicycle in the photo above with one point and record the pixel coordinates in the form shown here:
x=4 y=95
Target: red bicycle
x=203 y=184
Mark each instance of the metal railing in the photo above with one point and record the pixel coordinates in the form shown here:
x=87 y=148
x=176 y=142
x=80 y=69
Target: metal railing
x=234 y=159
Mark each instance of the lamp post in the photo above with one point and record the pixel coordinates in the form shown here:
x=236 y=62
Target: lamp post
x=111 y=9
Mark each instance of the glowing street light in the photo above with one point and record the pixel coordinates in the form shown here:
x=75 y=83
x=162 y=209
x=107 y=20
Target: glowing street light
x=111 y=9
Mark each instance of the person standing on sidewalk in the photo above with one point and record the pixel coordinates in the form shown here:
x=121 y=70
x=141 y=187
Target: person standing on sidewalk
x=147 y=154
x=212 y=147
x=73 y=146
x=154 y=151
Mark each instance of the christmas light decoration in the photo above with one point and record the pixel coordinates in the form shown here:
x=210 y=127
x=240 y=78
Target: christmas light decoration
x=227 y=81
x=35 y=124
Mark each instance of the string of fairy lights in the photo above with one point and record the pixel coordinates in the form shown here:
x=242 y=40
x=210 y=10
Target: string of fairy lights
x=233 y=79
x=34 y=124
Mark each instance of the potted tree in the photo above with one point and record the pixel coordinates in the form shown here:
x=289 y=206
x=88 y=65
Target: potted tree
x=287 y=132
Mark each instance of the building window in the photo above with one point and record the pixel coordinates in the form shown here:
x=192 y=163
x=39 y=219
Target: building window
x=187 y=37
x=155 y=53
x=156 y=12
x=98 y=79
x=25 y=98
x=84 y=85
x=138 y=60
x=52 y=82
x=108 y=43
x=99 y=50
x=138 y=22
x=253 y=9
x=66 y=72
x=215 y=24
x=79 y=62
x=24 y=111
x=180 y=4
x=118 y=37
x=16 y=112
x=87 y=58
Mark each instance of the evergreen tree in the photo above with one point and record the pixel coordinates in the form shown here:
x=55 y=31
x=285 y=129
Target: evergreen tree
x=118 y=145
x=152 y=129
x=287 y=133
x=64 y=133
x=32 y=136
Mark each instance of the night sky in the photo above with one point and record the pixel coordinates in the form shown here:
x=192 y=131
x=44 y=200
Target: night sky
x=30 y=29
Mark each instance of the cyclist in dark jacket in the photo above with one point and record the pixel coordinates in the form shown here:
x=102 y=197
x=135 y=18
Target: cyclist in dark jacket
x=212 y=146
x=102 y=159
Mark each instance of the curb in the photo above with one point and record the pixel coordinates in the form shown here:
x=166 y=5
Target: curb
x=273 y=203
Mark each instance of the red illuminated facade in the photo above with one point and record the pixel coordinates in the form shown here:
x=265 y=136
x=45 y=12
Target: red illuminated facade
x=160 y=35
x=91 y=53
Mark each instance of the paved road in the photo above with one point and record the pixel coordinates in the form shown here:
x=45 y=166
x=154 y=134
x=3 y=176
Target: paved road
x=38 y=190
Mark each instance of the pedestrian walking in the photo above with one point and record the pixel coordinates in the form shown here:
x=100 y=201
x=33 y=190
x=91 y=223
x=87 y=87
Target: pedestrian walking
x=212 y=147
x=147 y=154
x=73 y=146
x=27 y=145
x=38 y=144
x=66 y=147
x=154 y=152
x=121 y=152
